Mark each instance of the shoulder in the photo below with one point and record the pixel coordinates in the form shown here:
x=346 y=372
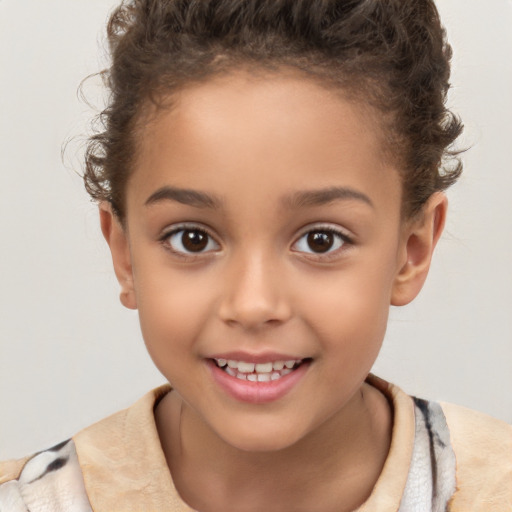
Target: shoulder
x=123 y=452
x=11 y=469
x=48 y=481
x=483 y=452
x=116 y=463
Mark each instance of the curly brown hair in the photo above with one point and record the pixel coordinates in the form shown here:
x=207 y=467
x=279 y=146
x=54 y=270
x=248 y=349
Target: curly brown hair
x=392 y=55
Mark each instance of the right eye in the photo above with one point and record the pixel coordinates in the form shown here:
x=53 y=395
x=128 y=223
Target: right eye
x=190 y=241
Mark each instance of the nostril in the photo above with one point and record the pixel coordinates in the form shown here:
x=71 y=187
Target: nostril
x=254 y=315
x=254 y=298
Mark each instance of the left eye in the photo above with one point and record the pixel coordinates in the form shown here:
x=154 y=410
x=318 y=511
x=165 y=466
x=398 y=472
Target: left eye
x=320 y=241
x=191 y=240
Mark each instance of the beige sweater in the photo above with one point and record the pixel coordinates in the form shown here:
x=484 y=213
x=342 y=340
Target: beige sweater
x=118 y=465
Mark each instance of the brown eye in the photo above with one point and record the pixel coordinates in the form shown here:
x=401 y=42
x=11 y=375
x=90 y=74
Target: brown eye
x=194 y=241
x=320 y=241
x=190 y=240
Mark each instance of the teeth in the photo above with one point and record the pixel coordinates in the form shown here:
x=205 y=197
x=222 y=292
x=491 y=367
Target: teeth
x=257 y=372
x=230 y=371
x=247 y=367
x=264 y=367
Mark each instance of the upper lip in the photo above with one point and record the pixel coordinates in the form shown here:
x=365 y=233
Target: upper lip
x=260 y=357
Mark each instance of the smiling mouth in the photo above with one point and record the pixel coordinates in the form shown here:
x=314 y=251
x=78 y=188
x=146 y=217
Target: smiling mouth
x=259 y=372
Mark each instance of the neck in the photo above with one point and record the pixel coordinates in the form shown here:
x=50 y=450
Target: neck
x=339 y=462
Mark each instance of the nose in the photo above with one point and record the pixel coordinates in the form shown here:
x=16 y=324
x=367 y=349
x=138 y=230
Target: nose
x=254 y=294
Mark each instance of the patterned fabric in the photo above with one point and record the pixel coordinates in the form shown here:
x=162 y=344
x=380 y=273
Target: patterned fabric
x=431 y=481
x=51 y=481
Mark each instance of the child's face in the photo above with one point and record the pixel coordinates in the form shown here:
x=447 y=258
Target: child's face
x=263 y=225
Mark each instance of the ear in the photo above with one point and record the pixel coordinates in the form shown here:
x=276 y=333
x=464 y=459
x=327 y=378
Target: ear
x=117 y=240
x=419 y=240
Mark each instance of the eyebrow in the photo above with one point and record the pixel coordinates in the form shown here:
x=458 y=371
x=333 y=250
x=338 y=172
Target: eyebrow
x=184 y=196
x=325 y=196
x=298 y=199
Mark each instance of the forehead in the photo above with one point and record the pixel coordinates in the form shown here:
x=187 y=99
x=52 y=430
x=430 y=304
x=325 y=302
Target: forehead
x=277 y=130
x=285 y=105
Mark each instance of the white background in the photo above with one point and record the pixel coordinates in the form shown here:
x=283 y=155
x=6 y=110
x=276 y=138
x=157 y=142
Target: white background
x=70 y=354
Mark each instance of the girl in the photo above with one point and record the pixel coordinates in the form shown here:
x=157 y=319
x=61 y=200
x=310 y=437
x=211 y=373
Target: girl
x=270 y=181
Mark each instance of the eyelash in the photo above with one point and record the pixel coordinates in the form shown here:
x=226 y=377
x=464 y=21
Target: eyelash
x=342 y=239
x=165 y=240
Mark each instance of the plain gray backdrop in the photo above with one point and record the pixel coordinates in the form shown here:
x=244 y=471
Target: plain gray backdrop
x=70 y=354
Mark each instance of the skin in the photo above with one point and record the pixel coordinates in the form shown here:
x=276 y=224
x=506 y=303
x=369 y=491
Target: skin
x=252 y=144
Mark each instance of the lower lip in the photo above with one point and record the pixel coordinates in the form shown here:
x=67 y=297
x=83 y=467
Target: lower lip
x=257 y=392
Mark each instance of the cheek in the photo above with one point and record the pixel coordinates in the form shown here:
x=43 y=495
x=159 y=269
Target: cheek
x=349 y=310
x=349 y=316
x=172 y=310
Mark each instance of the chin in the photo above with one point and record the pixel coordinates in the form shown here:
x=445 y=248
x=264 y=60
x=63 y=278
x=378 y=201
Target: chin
x=259 y=445
x=261 y=439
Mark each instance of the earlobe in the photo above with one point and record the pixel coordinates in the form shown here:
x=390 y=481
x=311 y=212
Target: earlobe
x=117 y=240
x=420 y=239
